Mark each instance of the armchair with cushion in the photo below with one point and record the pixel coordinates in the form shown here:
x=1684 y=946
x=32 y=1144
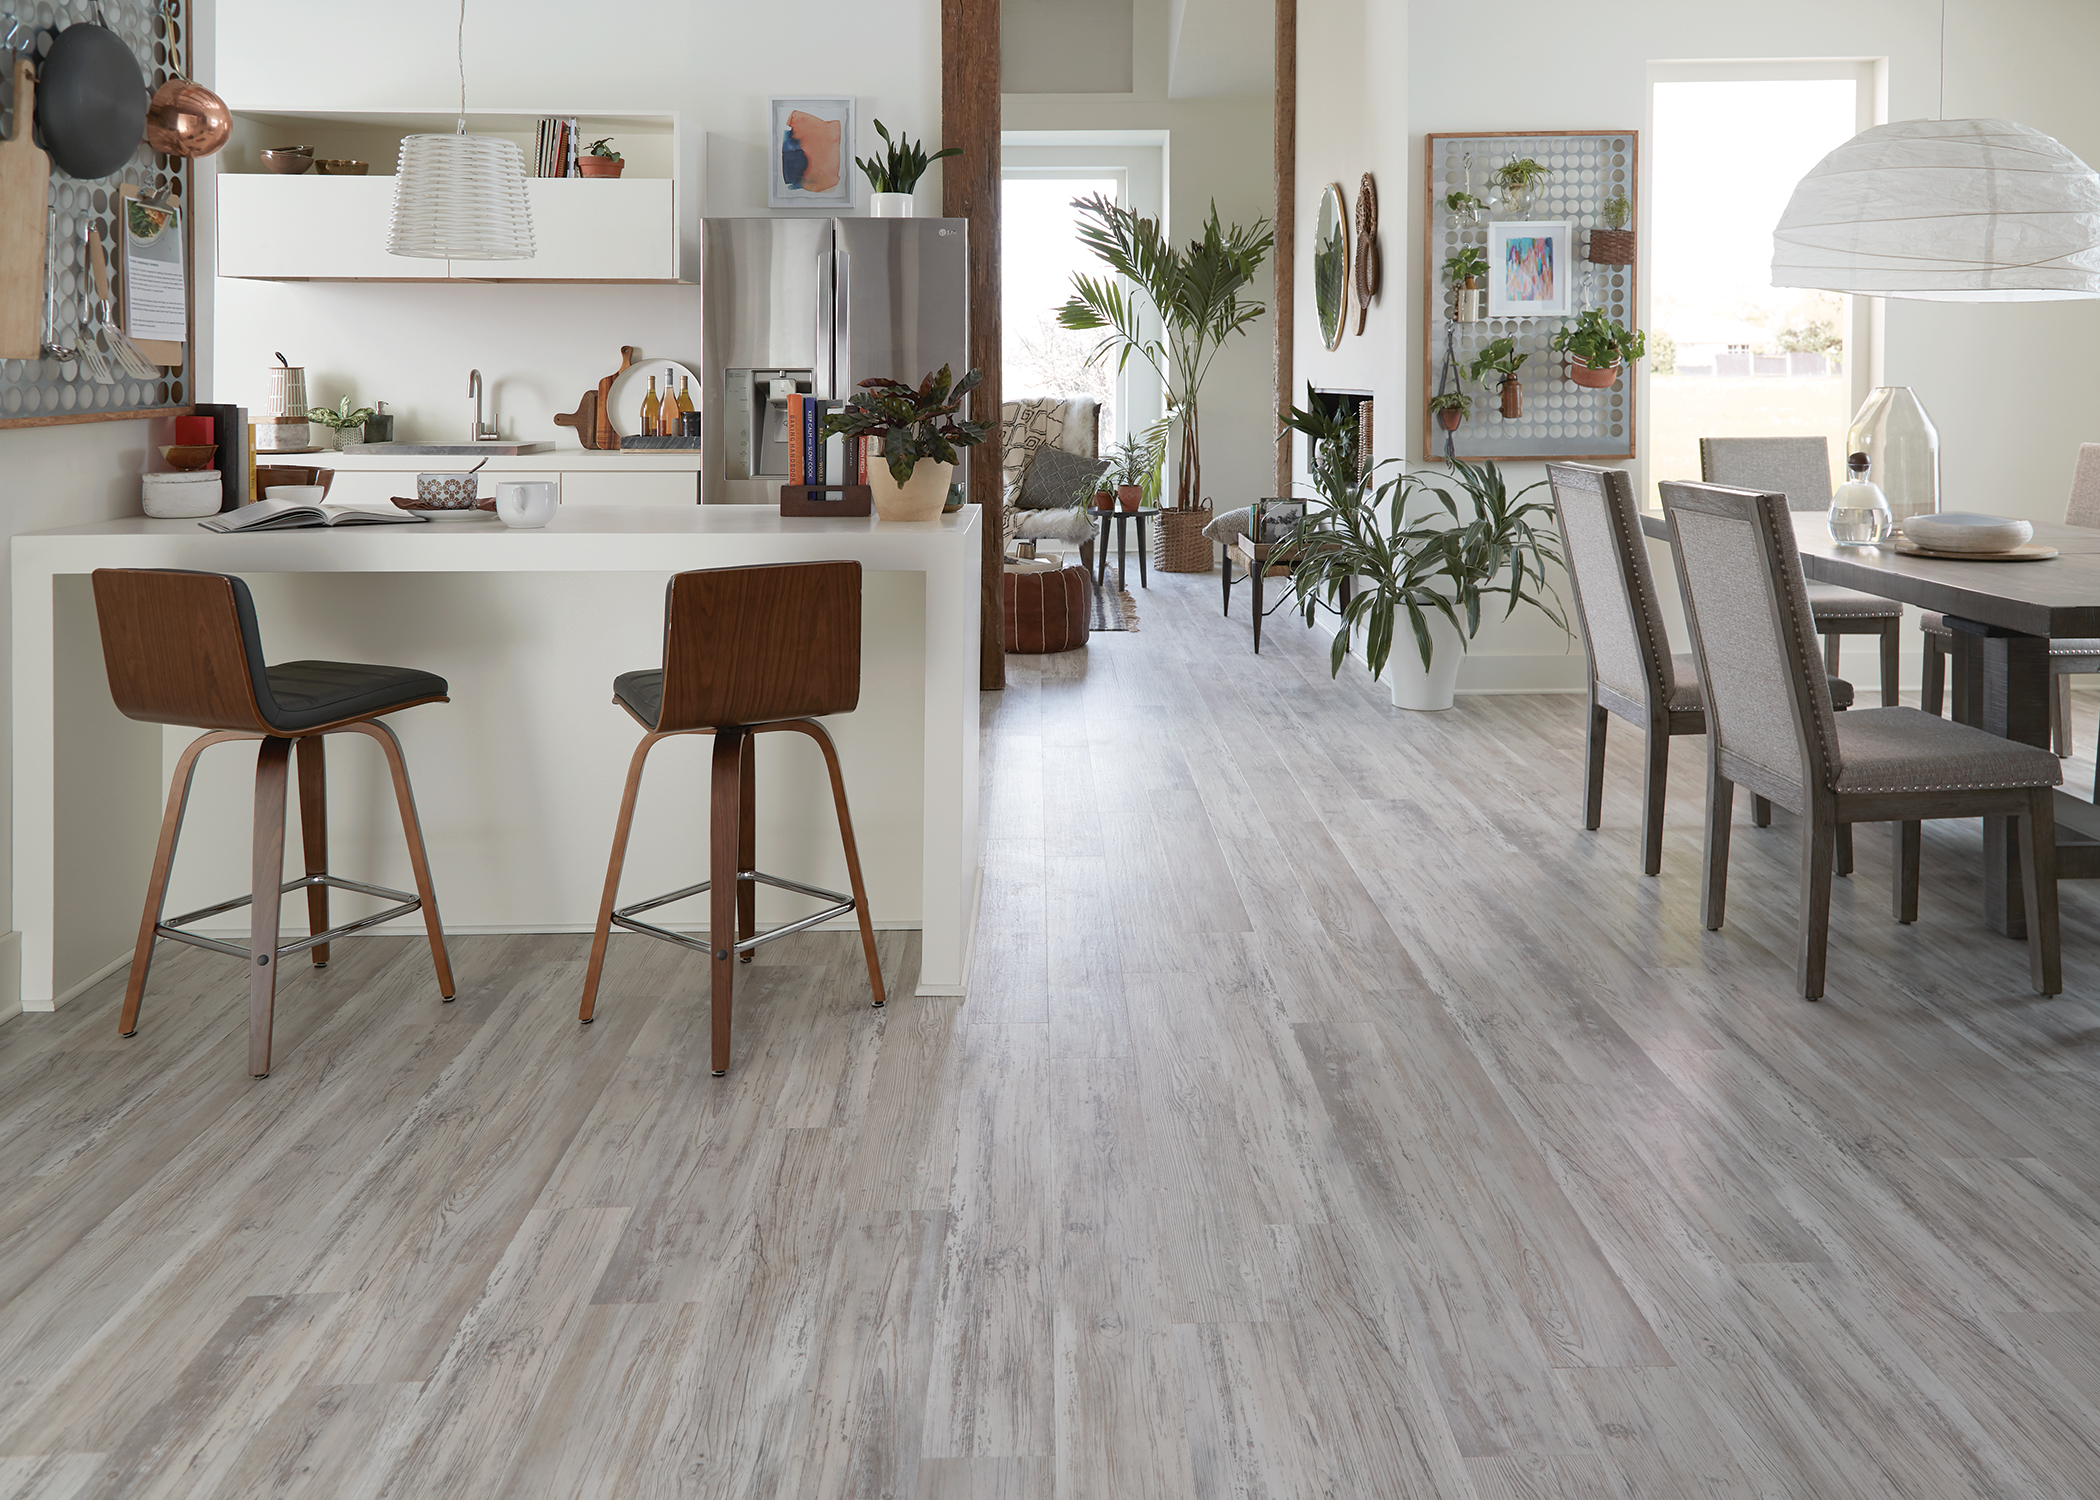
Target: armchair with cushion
x=1060 y=428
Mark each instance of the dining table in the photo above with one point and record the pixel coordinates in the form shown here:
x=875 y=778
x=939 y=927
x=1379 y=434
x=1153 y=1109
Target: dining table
x=2002 y=615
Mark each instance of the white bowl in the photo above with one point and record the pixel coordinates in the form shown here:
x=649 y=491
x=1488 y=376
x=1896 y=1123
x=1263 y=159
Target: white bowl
x=297 y=494
x=1965 y=531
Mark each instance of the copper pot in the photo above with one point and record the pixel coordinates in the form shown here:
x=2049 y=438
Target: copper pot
x=187 y=119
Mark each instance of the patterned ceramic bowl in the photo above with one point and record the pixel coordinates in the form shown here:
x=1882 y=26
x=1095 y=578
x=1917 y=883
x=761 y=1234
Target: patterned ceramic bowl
x=448 y=491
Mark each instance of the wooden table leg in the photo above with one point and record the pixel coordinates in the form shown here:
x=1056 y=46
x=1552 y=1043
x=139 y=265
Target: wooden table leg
x=2013 y=702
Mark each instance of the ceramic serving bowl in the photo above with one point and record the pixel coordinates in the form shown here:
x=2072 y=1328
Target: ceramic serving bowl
x=331 y=166
x=169 y=497
x=448 y=491
x=290 y=160
x=189 y=455
x=1965 y=531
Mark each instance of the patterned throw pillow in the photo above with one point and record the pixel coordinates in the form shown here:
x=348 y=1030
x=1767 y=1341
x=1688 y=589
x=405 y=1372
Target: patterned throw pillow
x=1058 y=479
x=1026 y=428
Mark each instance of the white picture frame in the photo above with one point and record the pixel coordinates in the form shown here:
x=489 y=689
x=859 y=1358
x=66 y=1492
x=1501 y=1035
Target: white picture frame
x=1531 y=268
x=792 y=164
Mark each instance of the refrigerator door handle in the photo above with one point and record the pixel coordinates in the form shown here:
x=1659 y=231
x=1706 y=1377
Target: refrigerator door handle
x=825 y=292
x=843 y=348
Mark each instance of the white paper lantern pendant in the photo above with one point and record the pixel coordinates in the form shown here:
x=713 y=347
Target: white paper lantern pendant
x=460 y=196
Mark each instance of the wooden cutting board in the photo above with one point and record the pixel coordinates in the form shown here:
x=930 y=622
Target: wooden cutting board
x=25 y=226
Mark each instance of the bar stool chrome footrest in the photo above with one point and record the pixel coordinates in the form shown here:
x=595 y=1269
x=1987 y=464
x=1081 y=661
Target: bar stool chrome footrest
x=409 y=902
x=625 y=916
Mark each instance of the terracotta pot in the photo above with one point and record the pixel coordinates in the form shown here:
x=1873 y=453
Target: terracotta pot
x=1128 y=495
x=599 y=166
x=1596 y=380
x=1449 y=417
x=919 y=498
x=1104 y=500
x=1512 y=397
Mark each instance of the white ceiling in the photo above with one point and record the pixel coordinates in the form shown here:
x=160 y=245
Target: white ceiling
x=1220 y=48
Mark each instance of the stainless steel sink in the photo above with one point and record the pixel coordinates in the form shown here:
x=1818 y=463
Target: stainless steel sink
x=447 y=450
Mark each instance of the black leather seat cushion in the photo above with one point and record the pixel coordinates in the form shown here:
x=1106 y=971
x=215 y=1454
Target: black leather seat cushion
x=301 y=694
x=643 y=693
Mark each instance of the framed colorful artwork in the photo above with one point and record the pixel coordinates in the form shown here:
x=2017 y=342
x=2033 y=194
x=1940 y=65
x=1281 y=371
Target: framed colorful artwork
x=1531 y=268
x=811 y=154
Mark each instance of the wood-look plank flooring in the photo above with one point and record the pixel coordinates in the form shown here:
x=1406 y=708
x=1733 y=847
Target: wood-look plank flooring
x=1329 y=1116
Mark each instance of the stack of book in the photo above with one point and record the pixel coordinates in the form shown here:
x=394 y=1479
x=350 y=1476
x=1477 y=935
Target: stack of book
x=558 y=148
x=821 y=460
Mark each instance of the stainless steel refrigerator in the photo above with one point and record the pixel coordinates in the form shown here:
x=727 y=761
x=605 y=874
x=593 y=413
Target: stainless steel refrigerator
x=815 y=306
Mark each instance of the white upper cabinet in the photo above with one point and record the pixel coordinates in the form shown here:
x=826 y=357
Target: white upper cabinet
x=642 y=226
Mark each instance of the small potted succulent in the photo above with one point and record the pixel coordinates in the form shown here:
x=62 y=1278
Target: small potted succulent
x=600 y=160
x=345 y=423
x=1519 y=179
x=894 y=176
x=920 y=435
x=1613 y=245
x=1130 y=462
x=1467 y=271
x=1500 y=357
x=1597 y=347
x=1450 y=408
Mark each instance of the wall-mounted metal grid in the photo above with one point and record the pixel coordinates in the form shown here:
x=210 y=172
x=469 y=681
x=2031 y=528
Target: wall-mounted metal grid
x=36 y=392
x=1561 y=419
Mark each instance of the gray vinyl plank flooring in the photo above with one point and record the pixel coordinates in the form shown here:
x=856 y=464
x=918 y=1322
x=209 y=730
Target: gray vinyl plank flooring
x=1329 y=1116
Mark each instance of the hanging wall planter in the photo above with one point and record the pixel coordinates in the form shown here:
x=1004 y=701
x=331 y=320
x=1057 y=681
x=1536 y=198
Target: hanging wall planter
x=1613 y=244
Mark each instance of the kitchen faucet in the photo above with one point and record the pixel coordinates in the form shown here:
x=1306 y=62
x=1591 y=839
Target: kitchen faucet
x=478 y=433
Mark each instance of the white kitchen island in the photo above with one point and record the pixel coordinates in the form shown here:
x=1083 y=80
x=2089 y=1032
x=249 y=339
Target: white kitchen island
x=518 y=777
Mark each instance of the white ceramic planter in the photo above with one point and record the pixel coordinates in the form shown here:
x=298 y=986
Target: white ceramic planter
x=1410 y=685
x=890 y=205
x=919 y=498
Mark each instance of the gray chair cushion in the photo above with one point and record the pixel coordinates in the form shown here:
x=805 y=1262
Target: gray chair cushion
x=642 y=692
x=1056 y=480
x=1065 y=525
x=302 y=694
x=1833 y=603
x=1909 y=750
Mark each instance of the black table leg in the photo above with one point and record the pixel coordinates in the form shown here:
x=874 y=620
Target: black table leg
x=1228 y=583
x=1101 y=566
x=1255 y=573
x=1122 y=563
x=1141 y=551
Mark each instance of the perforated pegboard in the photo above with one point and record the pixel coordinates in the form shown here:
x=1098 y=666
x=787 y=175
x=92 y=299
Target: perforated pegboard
x=36 y=392
x=1561 y=419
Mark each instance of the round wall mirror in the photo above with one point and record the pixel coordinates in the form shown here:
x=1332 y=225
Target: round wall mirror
x=1331 y=265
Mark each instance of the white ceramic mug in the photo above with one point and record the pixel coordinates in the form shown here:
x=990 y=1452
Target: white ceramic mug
x=526 y=504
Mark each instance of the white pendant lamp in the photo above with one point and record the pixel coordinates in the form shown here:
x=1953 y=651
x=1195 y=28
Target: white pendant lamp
x=460 y=196
x=1944 y=211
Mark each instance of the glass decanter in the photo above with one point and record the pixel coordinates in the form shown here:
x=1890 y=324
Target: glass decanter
x=1859 y=512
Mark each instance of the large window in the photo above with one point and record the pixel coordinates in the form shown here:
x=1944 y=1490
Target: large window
x=1729 y=354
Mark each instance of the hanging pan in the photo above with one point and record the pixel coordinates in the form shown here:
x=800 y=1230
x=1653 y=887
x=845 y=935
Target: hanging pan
x=91 y=101
x=185 y=118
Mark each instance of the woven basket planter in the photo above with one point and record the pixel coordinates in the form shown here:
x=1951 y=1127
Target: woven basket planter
x=1180 y=545
x=1612 y=247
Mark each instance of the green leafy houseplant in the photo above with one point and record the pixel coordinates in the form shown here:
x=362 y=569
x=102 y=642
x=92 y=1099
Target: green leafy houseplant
x=1521 y=174
x=1617 y=210
x=1451 y=401
x=1601 y=344
x=603 y=147
x=1131 y=461
x=899 y=169
x=1397 y=559
x=1463 y=203
x=1192 y=295
x=1467 y=266
x=1496 y=357
x=913 y=424
x=340 y=418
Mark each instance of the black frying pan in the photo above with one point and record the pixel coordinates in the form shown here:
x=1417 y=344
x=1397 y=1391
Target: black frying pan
x=91 y=101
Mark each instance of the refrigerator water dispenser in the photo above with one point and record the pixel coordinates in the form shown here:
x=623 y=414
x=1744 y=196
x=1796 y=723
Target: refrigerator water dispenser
x=756 y=419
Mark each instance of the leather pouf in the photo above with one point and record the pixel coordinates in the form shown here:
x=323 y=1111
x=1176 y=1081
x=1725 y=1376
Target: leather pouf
x=1046 y=609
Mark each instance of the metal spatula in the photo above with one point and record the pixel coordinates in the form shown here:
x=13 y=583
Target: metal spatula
x=84 y=344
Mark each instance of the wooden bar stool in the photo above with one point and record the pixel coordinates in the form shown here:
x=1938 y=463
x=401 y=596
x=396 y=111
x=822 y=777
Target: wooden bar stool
x=746 y=651
x=183 y=648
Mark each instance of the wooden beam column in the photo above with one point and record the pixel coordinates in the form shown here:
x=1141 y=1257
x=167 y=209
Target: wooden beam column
x=1282 y=307
x=970 y=190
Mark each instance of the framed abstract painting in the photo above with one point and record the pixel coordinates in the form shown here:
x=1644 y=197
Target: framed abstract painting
x=811 y=154
x=1531 y=268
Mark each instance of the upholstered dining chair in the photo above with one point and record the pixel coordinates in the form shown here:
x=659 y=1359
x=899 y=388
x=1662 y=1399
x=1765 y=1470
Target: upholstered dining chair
x=1770 y=727
x=1632 y=672
x=2066 y=657
x=1799 y=468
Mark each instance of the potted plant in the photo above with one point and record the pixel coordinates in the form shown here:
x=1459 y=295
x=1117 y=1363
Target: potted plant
x=1450 y=408
x=1434 y=565
x=894 y=176
x=1467 y=272
x=1130 y=464
x=1467 y=207
x=1193 y=294
x=346 y=425
x=920 y=434
x=600 y=160
x=1519 y=179
x=1500 y=357
x=1596 y=347
x=1614 y=244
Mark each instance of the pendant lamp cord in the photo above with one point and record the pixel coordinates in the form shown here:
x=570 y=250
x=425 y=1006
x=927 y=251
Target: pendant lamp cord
x=460 y=51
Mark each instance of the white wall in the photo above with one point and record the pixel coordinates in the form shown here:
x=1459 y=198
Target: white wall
x=715 y=61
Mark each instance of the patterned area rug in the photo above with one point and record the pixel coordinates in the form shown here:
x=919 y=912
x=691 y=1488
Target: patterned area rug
x=1114 y=609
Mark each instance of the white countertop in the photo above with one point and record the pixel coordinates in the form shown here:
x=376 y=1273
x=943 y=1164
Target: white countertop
x=563 y=456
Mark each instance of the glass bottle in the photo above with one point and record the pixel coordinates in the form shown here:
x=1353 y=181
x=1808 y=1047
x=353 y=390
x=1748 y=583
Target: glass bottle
x=685 y=394
x=648 y=427
x=1859 y=512
x=1904 y=448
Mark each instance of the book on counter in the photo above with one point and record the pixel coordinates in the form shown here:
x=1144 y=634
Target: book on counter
x=292 y=515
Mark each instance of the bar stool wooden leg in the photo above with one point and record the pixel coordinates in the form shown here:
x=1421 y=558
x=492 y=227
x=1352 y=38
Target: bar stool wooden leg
x=271 y=765
x=747 y=846
x=163 y=862
x=313 y=836
x=724 y=833
x=586 y=1012
x=412 y=830
x=818 y=733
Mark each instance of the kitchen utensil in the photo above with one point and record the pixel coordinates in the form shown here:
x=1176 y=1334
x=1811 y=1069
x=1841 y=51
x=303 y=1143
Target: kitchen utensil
x=25 y=223
x=607 y=438
x=53 y=349
x=91 y=105
x=189 y=456
x=184 y=118
x=290 y=160
x=168 y=497
x=114 y=338
x=447 y=491
x=584 y=419
x=90 y=352
x=478 y=467
x=329 y=166
x=527 y=504
x=628 y=387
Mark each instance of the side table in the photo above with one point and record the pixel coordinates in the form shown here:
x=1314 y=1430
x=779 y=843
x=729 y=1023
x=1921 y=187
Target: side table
x=1257 y=558
x=1119 y=517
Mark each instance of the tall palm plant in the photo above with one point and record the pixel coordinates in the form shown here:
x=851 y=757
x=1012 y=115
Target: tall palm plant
x=1193 y=294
